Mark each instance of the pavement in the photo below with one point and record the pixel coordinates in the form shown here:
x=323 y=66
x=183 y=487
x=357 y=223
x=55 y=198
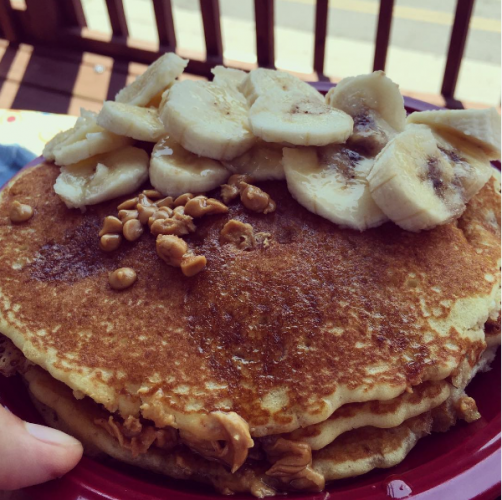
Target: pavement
x=417 y=53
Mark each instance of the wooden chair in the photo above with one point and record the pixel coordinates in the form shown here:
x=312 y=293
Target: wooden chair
x=61 y=23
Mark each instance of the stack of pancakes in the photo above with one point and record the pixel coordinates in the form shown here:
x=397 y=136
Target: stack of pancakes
x=318 y=355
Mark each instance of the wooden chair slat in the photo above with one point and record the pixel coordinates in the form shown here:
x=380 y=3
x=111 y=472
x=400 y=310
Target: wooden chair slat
x=165 y=23
x=264 y=21
x=321 y=27
x=210 y=10
x=383 y=34
x=72 y=13
x=458 y=38
x=7 y=22
x=117 y=17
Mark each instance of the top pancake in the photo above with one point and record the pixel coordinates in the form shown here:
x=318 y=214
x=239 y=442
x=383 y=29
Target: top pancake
x=283 y=334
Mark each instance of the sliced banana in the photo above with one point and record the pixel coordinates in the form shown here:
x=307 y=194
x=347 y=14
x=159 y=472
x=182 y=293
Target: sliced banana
x=295 y=118
x=142 y=124
x=480 y=126
x=106 y=177
x=230 y=76
x=420 y=180
x=175 y=171
x=158 y=76
x=331 y=182
x=261 y=81
x=57 y=140
x=375 y=104
x=207 y=119
x=263 y=162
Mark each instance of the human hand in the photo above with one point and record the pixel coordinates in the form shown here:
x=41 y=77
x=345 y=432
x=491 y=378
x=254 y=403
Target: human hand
x=32 y=454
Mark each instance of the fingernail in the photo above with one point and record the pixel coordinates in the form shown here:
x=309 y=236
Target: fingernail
x=49 y=435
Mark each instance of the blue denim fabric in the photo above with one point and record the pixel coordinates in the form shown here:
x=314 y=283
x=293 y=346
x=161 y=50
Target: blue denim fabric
x=12 y=158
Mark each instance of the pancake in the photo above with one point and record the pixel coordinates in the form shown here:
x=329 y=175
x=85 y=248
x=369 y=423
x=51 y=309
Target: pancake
x=283 y=335
x=353 y=454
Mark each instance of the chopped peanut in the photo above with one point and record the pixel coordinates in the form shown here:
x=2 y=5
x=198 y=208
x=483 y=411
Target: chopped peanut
x=239 y=234
x=232 y=189
x=145 y=212
x=132 y=230
x=128 y=204
x=144 y=200
x=160 y=214
x=111 y=225
x=193 y=264
x=125 y=215
x=255 y=199
x=110 y=242
x=19 y=212
x=183 y=199
x=178 y=225
x=165 y=202
x=171 y=249
x=122 y=278
x=153 y=194
x=200 y=205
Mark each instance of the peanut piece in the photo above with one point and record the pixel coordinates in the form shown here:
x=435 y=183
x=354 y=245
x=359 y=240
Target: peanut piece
x=200 y=205
x=183 y=199
x=132 y=230
x=125 y=215
x=171 y=249
x=19 y=212
x=255 y=199
x=192 y=264
x=153 y=194
x=111 y=225
x=110 y=242
x=165 y=202
x=145 y=212
x=239 y=234
x=128 y=204
x=122 y=278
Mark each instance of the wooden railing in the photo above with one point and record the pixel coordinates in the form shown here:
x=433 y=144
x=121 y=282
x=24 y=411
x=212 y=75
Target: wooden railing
x=62 y=23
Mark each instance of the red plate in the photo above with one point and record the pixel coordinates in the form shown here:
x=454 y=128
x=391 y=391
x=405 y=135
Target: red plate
x=463 y=463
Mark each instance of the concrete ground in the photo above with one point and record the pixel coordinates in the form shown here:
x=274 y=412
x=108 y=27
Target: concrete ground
x=417 y=53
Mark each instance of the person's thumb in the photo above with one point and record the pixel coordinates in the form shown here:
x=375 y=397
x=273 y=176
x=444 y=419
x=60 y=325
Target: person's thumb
x=32 y=454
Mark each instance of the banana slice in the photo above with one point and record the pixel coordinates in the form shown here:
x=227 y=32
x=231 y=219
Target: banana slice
x=479 y=126
x=207 y=119
x=142 y=124
x=233 y=77
x=375 y=104
x=263 y=162
x=296 y=118
x=159 y=76
x=331 y=182
x=110 y=175
x=175 y=171
x=421 y=180
x=84 y=140
x=261 y=81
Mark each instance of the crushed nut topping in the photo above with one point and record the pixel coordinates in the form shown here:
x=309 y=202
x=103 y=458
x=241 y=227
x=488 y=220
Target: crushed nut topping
x=159 y=215
x=179 y=224
x=145 y=212
x=125 y=215
x=292 y=464
x=256 y=199
x=225 y=438
x=122 y=278
x=20 y=212
x=183 y=199
x=132 y=230
x=138 y=438
x=171 y=249
x=153 y=194
x=231 y=189
x=144 y=200
x=128 y=204
x=111 y=225
x=239 y=234
x=165 y=202
x=192 y=264
x=110 y=242
x=201 y=205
